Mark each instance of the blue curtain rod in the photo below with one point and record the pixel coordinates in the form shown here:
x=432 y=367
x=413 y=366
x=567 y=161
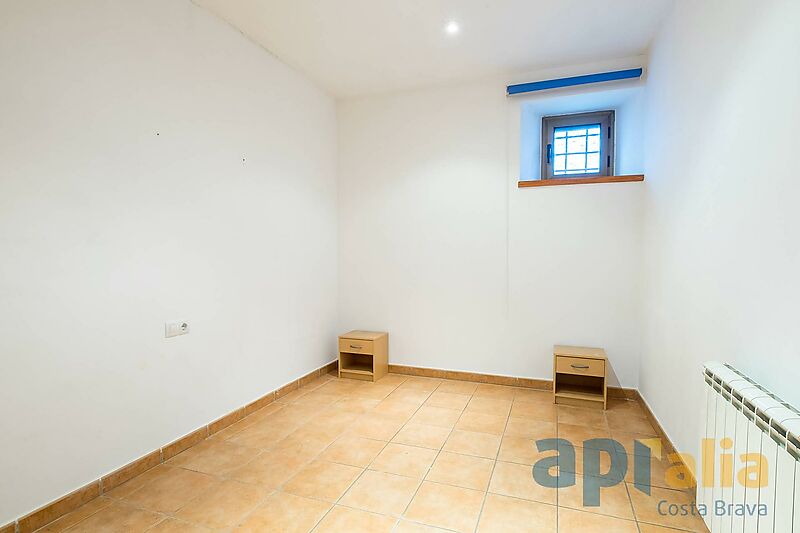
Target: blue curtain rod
x=575 y=80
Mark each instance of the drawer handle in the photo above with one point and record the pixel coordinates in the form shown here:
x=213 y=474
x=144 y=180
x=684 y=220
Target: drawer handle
x=359 y=347
x=580 y=367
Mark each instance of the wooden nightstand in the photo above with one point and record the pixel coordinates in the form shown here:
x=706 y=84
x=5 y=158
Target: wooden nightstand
x=579 y=376
x=364 y=355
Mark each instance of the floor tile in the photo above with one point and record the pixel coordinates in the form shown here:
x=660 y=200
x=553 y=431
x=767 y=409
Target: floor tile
x=334 y=417
x=374 y=426
x=172 y=525
x=217 y=459
x=513 y=479
x=502 y=514
x=270 y=469
x=292 y=396
x=393 y=379
x=650 y=528
x=457 y=387
x=404 y=526
x=570 y=521
x=631 y=407
x=396 y=408
x=131 y=486
x=224 y=505
x=531 y=429
x=520 y=450
x=336 y=386
x=322 y=480
x=422 y=384
x=117 y=518
x=318 y=382
x=448 y=400
x=318 y=399
x=352 y=450
x=499 y=392
x=489 y=406
x=264 y=434
x=323 y=430
x=446 y=506
x=629 y=423
x=533 y=396
x=436 y=416
x=404 y=460
x=534 y=411
x=232 y=430
x=346 y=520
x=373 y=391
x=482 y=423
x=660 y=475
x=285 y=513
x=582 y=455
x=582 y=416
x=647 y=507
x=614 y=500
x=628 y=440
x=473 y=443
x=414 y=396
x=79 y=514
x=580 y=435
x=169 y=493
x=379 y=492
x=461 y=470
x=296 y=414
x=305 y=443
x=356 y=405
x=422 y=435
x=265 y=412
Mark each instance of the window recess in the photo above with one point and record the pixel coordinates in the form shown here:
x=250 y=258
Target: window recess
x=578 y=146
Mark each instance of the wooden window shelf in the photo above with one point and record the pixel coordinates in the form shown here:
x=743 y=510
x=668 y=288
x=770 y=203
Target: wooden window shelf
x=579 y=181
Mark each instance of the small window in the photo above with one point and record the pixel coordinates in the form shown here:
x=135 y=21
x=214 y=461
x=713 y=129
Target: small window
x=579 y=145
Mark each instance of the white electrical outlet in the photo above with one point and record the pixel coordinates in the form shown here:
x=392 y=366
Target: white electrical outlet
x=173 y=329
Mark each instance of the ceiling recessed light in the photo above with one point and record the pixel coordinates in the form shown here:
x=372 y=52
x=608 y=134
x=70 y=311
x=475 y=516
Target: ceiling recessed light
x=451 y=28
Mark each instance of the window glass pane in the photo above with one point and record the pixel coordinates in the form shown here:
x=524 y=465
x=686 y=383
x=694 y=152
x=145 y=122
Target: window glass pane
x=576 y=161
x=576 y=144
x=576 y=149
x=593 y=162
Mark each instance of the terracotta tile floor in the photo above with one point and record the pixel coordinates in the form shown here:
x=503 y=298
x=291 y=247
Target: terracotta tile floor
x=405 y=454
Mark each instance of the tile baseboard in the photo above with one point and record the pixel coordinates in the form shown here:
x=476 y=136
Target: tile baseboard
x=494 y=379
x=66 y=504
x=669 y=446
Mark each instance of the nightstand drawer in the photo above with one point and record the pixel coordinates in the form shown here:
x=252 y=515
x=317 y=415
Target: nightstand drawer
x=356 y=346
x=580 y=366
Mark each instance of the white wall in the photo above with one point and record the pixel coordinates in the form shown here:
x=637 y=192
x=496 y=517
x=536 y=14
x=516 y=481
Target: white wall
x=156 y=165
x=438 y=246
x=723 y=228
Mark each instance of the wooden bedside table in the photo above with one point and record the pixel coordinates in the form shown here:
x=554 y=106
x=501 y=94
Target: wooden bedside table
x=364 y=355
x=579 y=376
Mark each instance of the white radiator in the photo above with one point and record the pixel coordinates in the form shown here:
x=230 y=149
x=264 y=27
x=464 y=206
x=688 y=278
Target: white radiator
x=756 y=422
